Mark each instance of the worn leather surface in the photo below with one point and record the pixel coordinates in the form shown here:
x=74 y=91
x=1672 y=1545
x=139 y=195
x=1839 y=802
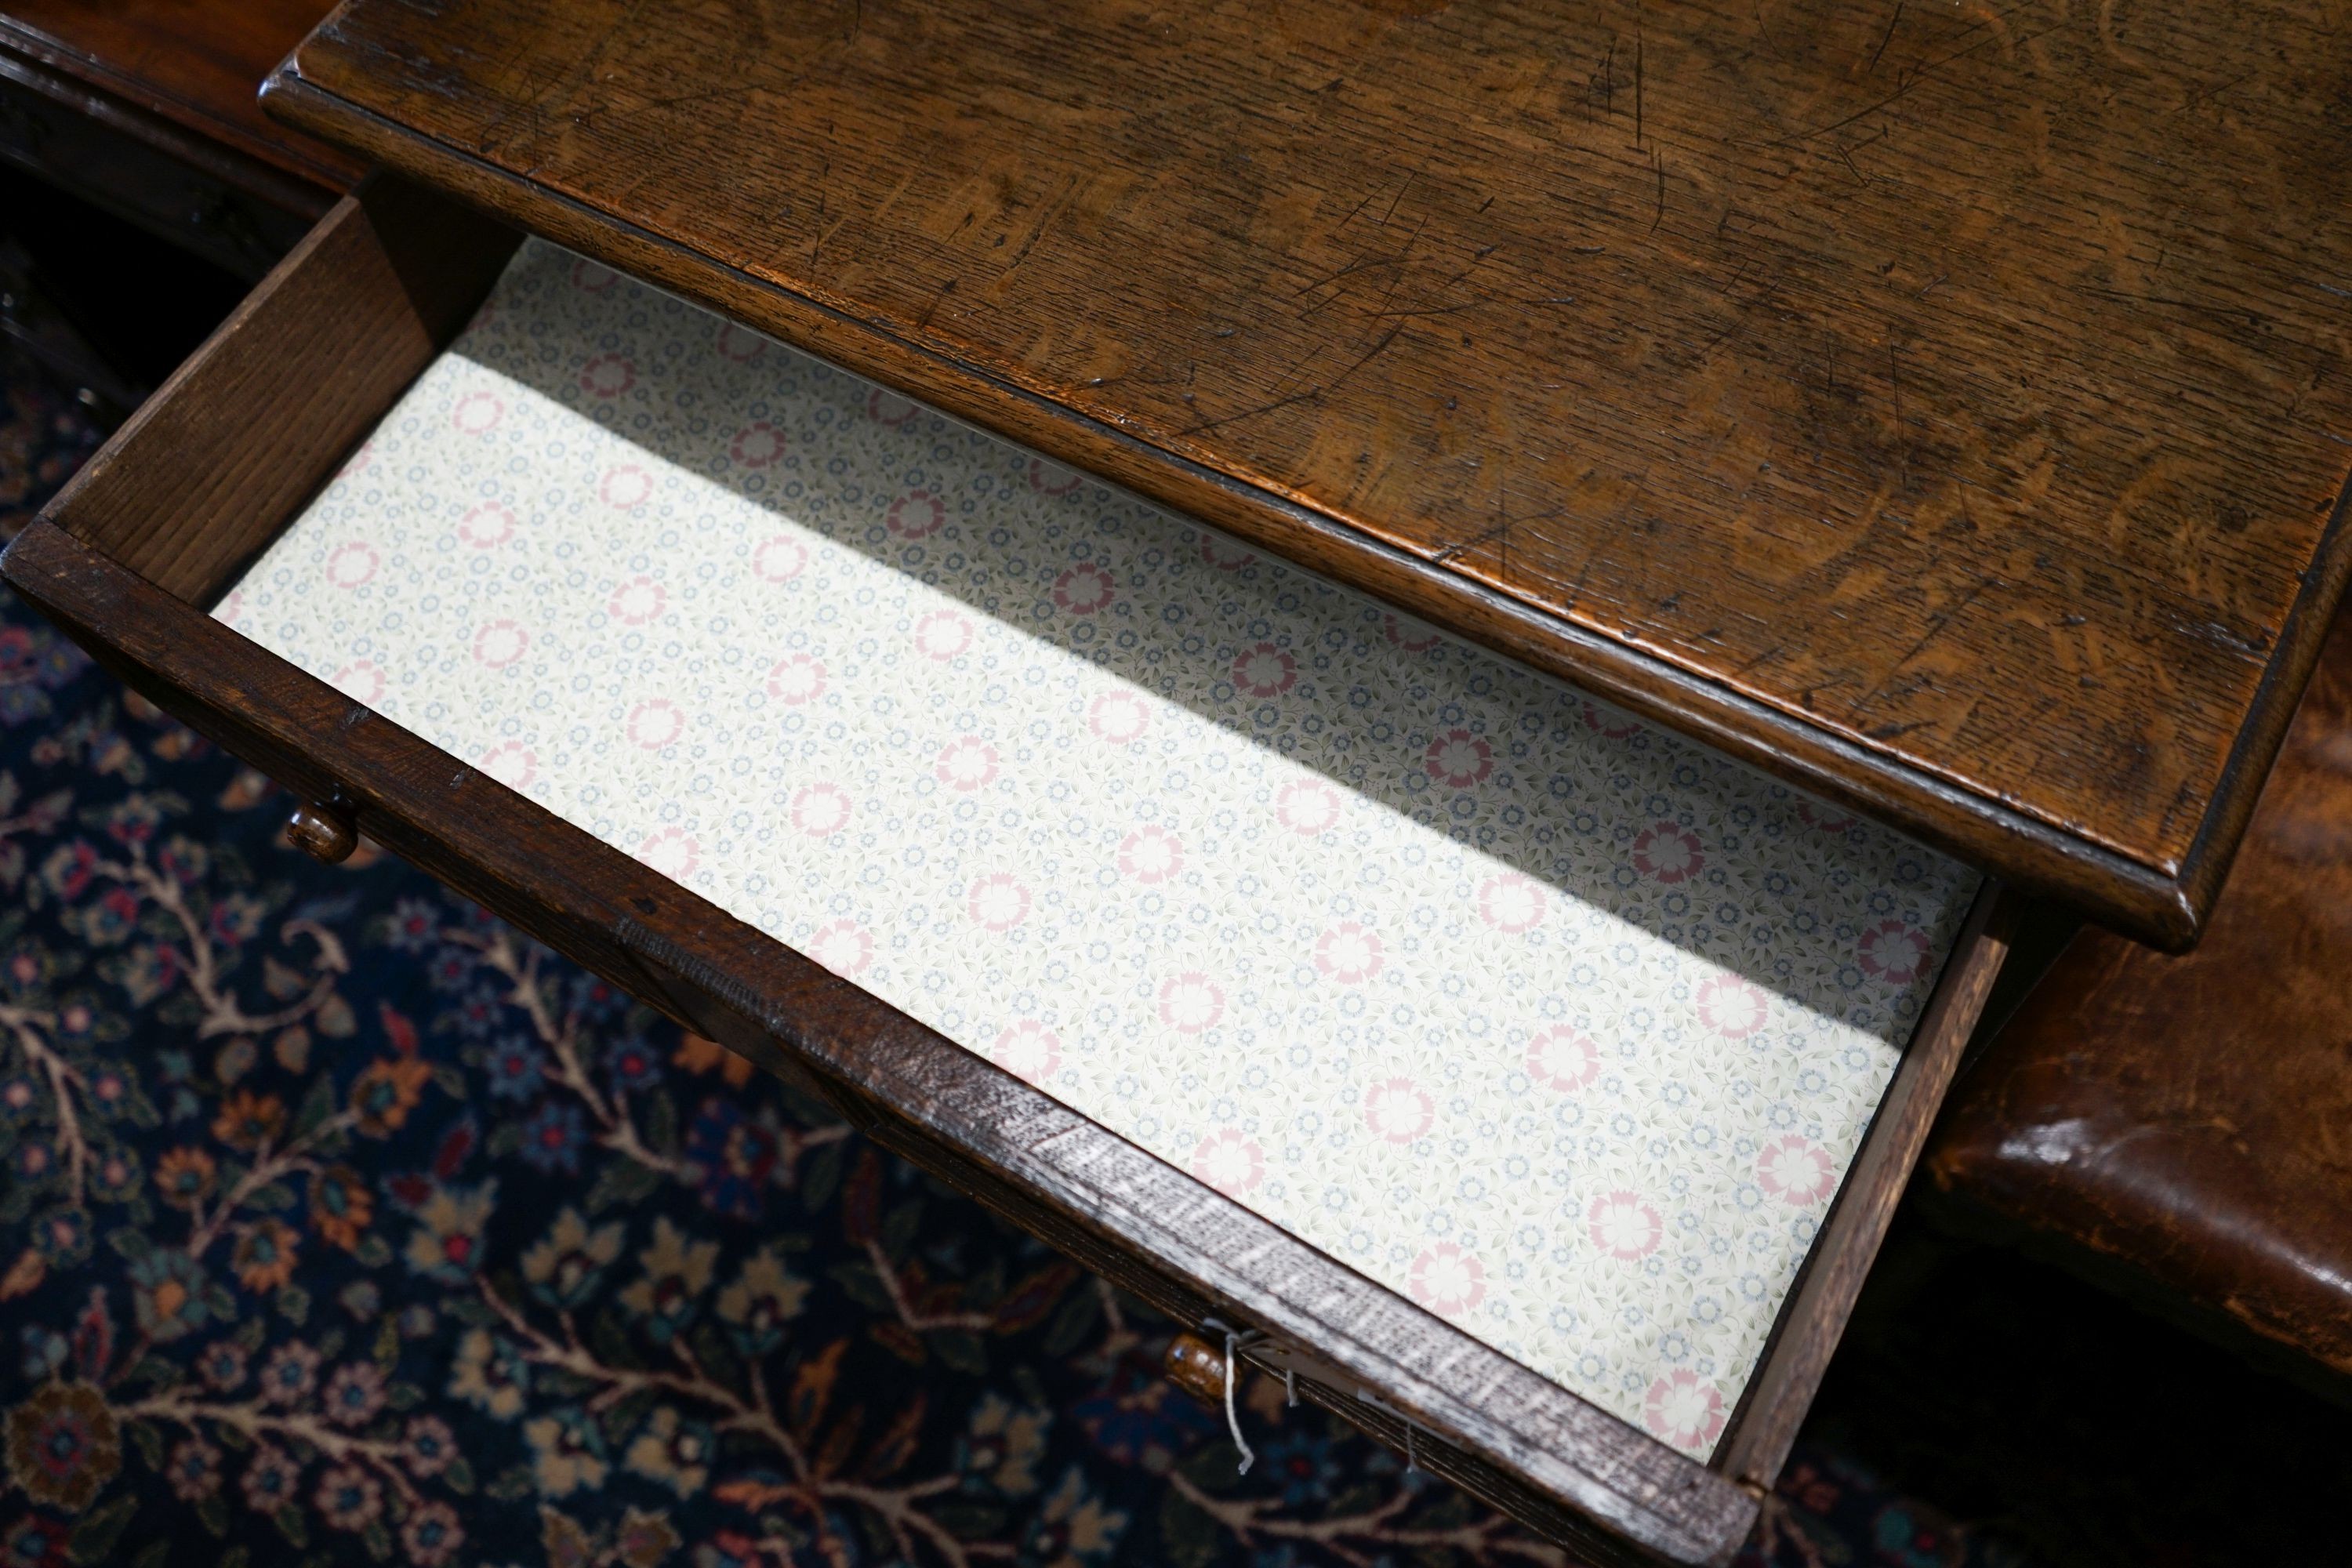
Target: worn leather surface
x=2192 y=1116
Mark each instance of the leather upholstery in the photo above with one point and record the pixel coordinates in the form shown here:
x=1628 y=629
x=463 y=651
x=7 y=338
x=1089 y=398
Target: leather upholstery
x=2192 y=1116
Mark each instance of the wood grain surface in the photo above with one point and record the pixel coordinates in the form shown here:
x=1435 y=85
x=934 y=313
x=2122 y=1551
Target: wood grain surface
x=196 y=64
x=210 y=468
x=1945 y=405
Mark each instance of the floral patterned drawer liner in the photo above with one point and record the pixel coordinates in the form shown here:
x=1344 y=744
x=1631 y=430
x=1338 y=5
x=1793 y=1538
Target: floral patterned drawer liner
x=1559 y=1025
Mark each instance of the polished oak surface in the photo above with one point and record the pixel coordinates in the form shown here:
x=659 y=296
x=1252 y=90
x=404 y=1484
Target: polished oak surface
x=1944 y=405
x=2190 y=1119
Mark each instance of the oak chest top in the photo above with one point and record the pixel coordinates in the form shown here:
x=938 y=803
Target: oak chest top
x=1945 y=406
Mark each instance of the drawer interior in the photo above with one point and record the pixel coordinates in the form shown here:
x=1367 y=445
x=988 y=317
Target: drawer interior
x=1563 y=1028
x=1570 y=1031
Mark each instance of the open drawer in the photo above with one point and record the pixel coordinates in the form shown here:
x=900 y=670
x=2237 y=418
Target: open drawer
x=1536 y=1084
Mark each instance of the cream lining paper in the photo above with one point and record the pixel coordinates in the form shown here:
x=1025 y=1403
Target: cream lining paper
x=1557 y=1024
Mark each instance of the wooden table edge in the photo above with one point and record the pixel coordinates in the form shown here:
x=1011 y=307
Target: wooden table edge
x=304 y=182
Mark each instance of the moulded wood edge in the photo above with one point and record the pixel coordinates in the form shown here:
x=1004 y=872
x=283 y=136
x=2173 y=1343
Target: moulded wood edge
x=299 y=177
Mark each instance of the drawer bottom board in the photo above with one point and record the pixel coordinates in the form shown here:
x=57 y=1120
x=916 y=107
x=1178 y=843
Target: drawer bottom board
x=1559 y=1026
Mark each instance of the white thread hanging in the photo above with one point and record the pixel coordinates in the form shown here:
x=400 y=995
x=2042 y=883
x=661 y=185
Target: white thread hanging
x=1412 y=1459
x=1290 y=1387
x=1235 y=1342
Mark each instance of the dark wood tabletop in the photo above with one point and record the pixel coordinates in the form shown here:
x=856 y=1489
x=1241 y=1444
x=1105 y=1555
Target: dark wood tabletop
x=1945 y=406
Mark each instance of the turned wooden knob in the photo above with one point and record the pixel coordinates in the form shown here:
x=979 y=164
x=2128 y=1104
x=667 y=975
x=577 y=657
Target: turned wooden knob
x=322 y=833
x=1198 y=1368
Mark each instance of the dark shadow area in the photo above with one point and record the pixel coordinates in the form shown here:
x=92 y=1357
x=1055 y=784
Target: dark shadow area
x=98 y=301
x=2060 y=1416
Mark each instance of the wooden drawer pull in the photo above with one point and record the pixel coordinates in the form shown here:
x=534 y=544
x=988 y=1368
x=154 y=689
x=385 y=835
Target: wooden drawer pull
x=322 y=833
x=1198 y=1367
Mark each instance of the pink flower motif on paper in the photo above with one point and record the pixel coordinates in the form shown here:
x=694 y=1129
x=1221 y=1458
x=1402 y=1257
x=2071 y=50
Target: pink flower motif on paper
x=845 y=947
x=796 y=678
x=1623 y=1226
x=1151 y=855
x=654 y=724
x=1684 y=1409
x=758 y=444
x=673 y=852
x=1512 y=903
x=889 y=408
x=500 y=644
x=1348 y=953
x=1560 y=1059
x=1264 y=670
x=1413 y=637
x=1731 y=1006
x=1608 y=722
x=1894 y=952
x=353 y=565
x=477 y=413
x=942 y=636
x=510 y=762
x=625 y=486
x=589 y=278
x=1795 y=1171
x=998 y=901
x=637 y=601
x=1458 y=759
x=359 y=462
x=486 y=527
x=362 y=680
x=1230 y=1160
x=1667 y=851
x=1191 y=1003
x=1118 y=717
x=1051 y=479
x=607 y=375
x=739 y=344
x=966 y=764
x=1222 y=554
x=1824 y=819
x=1398 y=1109
x=1085 y=589
x=1028 y=1050
x=917 y=514
x=779 y=559
x=1307 y=808
x=1448 y=1280
x=821 y=810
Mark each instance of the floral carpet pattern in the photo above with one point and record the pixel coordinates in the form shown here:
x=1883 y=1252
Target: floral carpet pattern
x=340 y=1224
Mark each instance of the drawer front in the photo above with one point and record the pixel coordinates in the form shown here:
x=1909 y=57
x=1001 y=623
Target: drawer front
x=125 y=561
